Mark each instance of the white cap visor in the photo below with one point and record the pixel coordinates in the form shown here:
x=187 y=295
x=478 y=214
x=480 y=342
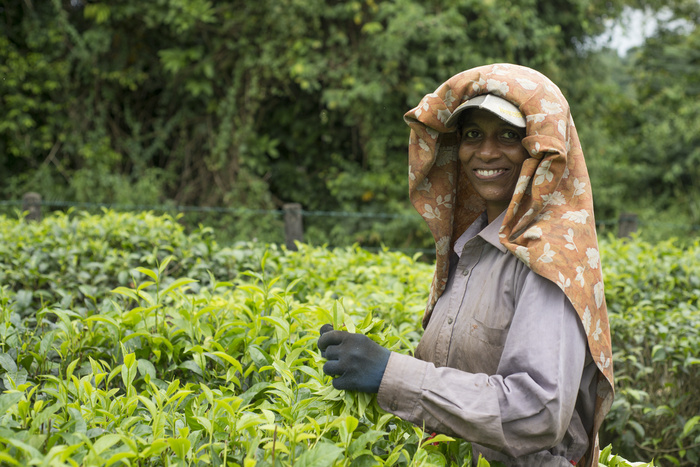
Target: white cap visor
x=494 y=104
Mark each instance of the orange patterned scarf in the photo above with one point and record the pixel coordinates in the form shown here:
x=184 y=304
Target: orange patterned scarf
x=549 y=223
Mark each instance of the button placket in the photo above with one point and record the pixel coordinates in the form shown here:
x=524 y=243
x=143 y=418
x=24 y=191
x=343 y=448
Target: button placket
x=471 y=255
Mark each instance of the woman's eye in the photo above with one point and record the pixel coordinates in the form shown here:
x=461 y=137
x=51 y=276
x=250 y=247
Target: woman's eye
x=470 y=134
x=511 y=135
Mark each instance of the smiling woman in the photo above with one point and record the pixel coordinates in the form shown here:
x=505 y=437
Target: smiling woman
x=492 y=155
x=516 y=353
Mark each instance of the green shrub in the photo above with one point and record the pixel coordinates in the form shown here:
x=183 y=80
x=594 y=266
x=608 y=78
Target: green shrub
x=652 y=292
x=185 y=353
x=75 y=259
x=159 y=374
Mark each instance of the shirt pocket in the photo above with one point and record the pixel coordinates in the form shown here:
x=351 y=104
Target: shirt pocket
x=493 y=306
x=491 y=319
x=486 y=330
x=491 y=334
x=484 y=347
x=481 y=350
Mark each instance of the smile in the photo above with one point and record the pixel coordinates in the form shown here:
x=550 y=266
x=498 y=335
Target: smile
x=484 y=173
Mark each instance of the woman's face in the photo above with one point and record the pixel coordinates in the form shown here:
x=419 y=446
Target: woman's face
x=492 y=155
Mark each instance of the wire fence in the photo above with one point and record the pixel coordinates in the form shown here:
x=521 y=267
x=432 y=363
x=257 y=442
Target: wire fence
x=204 y=209
x=32 y=207
x=290 y=225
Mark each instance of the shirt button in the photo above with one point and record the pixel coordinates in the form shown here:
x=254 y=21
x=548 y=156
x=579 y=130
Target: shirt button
x=394 y=405
x=449 y=320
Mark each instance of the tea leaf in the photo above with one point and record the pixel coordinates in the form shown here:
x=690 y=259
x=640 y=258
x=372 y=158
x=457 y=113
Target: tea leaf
x=178 y=284
x=368 y=438
x=9 y=460
x=105 y=442
x=192 y=366
x=224 y=356
x=282 y=325
x=145 y=367
x=164 y=264
x=323 y=455
x=8 y=363
x=22 y=446
x=119 y=456
x=155 y=448
x=149 y=272
x=126 y=292
x=9 y=399
x=687 y=428
x=336 y=316
x=349 y=324
x=71 y=368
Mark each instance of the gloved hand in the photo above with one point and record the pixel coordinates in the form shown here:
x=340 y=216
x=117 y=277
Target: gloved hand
x=356 y=360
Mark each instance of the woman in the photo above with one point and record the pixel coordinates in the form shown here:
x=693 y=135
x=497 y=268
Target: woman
x=516 y=354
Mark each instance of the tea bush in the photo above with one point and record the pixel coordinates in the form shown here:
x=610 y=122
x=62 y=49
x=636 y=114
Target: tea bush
x=125 y=341
x=653 y=293
x=75 y=259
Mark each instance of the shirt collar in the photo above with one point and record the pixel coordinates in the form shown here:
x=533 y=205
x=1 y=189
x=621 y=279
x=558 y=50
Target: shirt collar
x=480 y=227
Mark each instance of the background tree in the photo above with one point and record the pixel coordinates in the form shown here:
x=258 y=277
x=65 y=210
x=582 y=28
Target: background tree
x=254 y=104
x=644 y=118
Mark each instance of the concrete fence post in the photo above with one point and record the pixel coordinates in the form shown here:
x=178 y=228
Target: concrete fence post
x=293 y=225
x=31 y=204
x=627 y=224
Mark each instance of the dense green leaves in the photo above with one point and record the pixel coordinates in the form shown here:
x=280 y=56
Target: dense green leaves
x=653 y=295
x=188 y=353
x=160 y=374
x=253 y=104
x=638 y=130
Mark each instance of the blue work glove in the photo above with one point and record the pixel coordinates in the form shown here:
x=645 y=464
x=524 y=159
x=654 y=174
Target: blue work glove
x=356 y=361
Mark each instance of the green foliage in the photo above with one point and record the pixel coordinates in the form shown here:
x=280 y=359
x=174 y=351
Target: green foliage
x=254 y=104
x=170 y=370
x=662 y=129
x=637 y=118
x=653 y=294
x=125 y=341
x=32 y=72
x=74 y=259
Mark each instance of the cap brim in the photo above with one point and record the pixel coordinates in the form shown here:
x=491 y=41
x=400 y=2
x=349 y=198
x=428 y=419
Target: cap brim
x=500 y=107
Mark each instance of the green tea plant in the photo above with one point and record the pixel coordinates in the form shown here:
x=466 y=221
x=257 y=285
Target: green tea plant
x=653 y=293
x=220 y=367
x=229 y=375
x=75 y=258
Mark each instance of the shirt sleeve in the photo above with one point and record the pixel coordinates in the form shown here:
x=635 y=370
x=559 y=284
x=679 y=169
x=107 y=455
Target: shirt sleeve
x=526 y=406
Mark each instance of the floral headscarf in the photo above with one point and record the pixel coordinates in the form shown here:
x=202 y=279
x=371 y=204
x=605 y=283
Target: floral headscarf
x=549 y=223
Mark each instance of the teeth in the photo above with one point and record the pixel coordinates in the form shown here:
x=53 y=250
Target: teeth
x=488 y=173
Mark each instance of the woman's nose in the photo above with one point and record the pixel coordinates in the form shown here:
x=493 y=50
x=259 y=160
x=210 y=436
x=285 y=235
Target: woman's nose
x=488 y=149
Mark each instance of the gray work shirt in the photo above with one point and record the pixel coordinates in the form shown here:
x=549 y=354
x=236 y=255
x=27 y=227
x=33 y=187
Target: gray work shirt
x=503 y=362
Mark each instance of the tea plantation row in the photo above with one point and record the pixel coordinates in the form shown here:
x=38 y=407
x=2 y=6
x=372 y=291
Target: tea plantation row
x=126 y=341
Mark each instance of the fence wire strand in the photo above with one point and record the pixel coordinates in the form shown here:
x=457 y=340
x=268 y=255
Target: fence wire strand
x=281 y=212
